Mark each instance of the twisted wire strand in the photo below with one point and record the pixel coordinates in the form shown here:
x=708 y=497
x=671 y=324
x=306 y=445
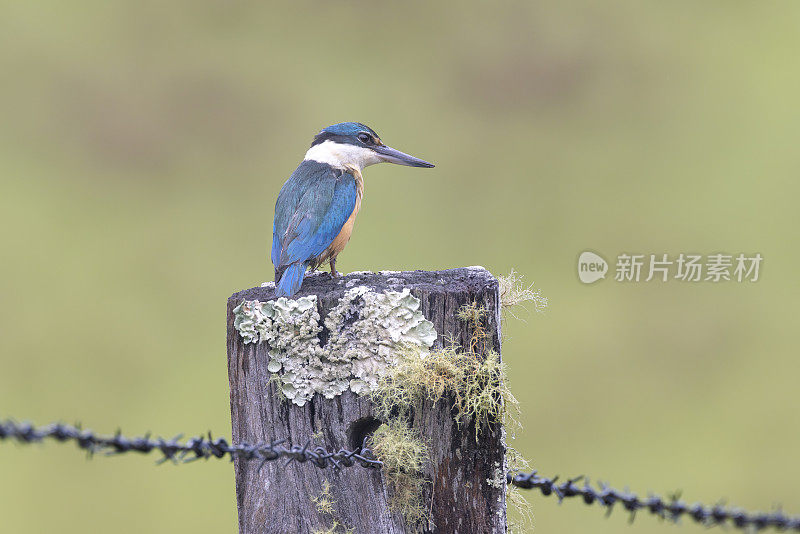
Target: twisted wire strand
x=671 y=508
x=190 y=450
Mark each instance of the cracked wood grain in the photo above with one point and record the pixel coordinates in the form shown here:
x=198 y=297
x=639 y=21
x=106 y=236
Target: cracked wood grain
x=278 y=499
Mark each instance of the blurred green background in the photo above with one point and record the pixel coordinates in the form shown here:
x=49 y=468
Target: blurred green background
x=142 y=145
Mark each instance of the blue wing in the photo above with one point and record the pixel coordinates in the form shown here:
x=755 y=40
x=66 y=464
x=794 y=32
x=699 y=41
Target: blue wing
x=311 y=210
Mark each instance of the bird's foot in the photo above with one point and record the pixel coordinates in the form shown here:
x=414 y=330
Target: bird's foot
x=335 y=273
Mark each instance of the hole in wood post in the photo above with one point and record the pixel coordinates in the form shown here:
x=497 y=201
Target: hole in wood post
x=361 y=429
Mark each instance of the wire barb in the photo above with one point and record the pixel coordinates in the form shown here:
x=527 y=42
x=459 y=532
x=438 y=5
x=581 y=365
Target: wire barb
x=671 y=508
x=176 y=451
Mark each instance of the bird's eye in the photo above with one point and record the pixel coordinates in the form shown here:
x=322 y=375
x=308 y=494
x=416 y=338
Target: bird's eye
x=364 y=138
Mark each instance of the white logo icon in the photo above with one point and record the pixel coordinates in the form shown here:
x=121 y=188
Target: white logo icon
x=591 y=267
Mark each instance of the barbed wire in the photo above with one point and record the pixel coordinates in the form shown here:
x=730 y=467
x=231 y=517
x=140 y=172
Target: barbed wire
x=174 y=450
x=671 y=508
x=192 y=449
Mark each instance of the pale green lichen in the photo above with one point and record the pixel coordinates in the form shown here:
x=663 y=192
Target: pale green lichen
x=291 y=329
x=366 y=332
x=513 y=292
x=277 y=320
x=368 y=329
x=520 y=517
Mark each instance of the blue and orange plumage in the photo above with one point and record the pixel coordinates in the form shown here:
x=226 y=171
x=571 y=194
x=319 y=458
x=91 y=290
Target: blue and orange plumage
x=317 y=206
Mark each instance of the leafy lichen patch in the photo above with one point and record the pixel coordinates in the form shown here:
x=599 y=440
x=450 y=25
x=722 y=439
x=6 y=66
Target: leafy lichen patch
x=366 y=332
x=369 y=329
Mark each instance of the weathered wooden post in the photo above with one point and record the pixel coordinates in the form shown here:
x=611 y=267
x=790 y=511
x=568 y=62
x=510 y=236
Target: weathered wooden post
x=328 y=344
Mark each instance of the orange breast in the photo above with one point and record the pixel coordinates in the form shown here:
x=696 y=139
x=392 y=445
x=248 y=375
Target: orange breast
x=340 y=241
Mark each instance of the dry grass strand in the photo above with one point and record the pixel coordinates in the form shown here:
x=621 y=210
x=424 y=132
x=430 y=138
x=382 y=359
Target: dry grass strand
x=513 y=293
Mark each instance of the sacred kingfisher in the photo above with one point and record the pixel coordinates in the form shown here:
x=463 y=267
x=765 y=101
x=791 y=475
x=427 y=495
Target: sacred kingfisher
x=318 y=204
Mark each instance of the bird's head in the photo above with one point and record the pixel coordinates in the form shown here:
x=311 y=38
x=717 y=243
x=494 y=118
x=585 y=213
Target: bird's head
x=354 y=144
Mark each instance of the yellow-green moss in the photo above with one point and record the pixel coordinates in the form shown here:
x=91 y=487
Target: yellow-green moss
x=486 y=398
x=404 y=455
x=475 y=380
x=474 y=377
x=324 y=501
x=327 y=505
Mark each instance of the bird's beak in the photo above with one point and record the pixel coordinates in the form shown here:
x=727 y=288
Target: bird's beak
x=390 y=155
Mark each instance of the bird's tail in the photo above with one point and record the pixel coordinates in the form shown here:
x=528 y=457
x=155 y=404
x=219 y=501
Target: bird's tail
x=291 y=280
